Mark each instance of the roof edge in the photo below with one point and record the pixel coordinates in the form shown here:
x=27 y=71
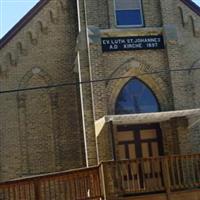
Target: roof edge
x=22 y=22
x=193 y=6
x=13 y=31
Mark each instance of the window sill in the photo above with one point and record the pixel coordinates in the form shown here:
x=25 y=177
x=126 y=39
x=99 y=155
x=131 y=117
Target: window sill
x=129 y=26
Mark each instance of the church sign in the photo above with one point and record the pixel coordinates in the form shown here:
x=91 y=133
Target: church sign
x=132 y=43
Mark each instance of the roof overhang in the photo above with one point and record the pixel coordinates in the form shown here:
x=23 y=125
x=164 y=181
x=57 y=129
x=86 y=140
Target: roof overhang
x=192 y=5
x=143 y=118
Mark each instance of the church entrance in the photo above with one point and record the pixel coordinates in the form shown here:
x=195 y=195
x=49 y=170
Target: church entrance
x=139 y=141
x=141 y=145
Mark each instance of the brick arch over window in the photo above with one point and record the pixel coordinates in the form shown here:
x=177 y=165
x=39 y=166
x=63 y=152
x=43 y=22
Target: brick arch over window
x=37 y=110
x=131 y=69
x=35 y=71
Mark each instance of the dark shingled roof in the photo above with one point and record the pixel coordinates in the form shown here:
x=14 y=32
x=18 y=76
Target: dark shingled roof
x=193 y=6
x=40 y=5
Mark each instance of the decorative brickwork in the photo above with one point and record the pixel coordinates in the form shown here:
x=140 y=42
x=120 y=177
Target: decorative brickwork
x=52 y=128
x=41 y=129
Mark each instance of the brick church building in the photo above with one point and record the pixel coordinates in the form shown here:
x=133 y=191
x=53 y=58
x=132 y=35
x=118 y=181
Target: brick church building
x=88 y=81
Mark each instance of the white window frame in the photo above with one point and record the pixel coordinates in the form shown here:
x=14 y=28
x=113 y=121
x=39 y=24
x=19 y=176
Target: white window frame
x=129 y=26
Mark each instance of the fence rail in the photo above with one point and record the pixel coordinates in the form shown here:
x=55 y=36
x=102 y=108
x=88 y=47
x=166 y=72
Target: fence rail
x=109 y=180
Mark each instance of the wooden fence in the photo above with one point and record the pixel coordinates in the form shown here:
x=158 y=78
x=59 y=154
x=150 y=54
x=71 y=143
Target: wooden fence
x=72 y=185
x=151 y=175
x=110 y=180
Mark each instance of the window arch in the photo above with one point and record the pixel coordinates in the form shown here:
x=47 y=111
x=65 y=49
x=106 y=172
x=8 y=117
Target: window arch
x=136 y=97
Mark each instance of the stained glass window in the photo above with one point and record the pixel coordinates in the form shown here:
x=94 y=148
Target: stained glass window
x=136 y=97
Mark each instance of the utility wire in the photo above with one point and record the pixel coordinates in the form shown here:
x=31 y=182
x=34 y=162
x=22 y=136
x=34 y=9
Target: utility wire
x=95 y=81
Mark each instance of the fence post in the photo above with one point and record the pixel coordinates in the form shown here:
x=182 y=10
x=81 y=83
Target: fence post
x=102 y=178
x=166 y=177
x=36 y=190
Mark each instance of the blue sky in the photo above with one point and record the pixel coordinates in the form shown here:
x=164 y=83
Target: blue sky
x=11 y=11
x=197 y=1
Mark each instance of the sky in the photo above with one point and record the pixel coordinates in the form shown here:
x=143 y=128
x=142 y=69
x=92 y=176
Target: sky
x=11 y=11
x=197 y=2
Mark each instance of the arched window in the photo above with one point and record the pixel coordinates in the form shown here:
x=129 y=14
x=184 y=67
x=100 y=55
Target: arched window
x=136 y=97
